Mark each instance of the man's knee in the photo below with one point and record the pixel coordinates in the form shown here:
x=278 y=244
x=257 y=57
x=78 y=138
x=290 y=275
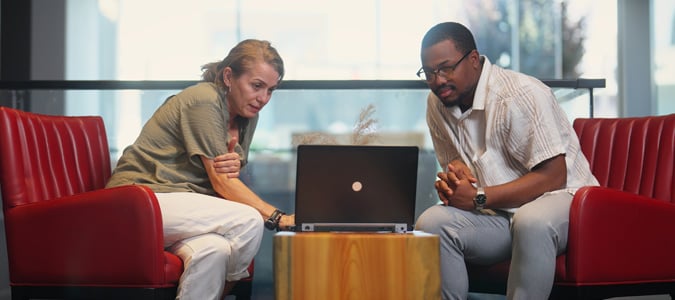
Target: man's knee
x=432 y=219
x=545 y=214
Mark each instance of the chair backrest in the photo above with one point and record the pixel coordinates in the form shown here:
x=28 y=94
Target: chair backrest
x=631 y=154
x=43 y=157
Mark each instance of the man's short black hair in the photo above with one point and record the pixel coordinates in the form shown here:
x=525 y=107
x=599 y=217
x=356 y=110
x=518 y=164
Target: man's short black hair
x=458 y=33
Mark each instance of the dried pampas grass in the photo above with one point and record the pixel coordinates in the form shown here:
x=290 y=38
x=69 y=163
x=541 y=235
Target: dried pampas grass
x=364 y=132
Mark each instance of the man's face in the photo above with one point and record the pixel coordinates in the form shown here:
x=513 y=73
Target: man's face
x=451 y=75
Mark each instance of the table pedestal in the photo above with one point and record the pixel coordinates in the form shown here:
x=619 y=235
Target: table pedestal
x=356 y=266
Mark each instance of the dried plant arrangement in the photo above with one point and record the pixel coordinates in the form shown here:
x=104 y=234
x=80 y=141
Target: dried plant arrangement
x=363 y=133
x=365 y=129
x=315 y=138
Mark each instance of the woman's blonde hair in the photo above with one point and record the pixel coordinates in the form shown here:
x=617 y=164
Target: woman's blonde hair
x=241 y=58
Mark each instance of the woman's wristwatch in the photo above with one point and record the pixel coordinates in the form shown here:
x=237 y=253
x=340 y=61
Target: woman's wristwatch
x=272 y=222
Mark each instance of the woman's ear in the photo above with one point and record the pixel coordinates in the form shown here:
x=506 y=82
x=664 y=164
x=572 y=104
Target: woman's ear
x=227 y=76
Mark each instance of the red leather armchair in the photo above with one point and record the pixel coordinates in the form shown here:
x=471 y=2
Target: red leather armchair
x=621 y=240
x=67 y=236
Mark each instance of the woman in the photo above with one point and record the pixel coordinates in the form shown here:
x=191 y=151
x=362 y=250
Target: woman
x=190 y=152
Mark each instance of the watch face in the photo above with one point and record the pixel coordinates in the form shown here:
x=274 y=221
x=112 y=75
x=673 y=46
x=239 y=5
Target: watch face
x=480 y=199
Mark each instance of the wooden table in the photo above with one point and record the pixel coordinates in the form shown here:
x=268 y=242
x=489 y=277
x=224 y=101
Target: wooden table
x=356 y=266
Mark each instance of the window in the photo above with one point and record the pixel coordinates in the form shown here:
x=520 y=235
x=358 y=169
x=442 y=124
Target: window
x=329 y=40
x=663 y=25
x=349 y=39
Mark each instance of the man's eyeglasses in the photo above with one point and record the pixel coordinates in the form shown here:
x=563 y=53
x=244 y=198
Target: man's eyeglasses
x=445 y=71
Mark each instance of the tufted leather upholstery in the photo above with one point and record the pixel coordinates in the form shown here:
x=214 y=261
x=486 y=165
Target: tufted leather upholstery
x=621 y=233
x=67 y=236
x=634 y=155
x=63 y=229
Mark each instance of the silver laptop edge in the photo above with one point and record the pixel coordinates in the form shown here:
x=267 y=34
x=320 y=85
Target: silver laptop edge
x=321 y=227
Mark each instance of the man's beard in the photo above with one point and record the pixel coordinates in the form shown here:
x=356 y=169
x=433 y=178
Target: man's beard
x=458 y=99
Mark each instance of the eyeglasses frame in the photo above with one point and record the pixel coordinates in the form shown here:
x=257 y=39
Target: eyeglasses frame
x=446 y=70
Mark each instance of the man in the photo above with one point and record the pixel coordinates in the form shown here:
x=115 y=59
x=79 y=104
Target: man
x=511 y=165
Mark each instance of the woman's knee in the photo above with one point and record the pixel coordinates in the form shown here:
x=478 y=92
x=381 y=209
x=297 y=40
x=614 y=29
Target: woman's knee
x=246 y=222
x=253 y=221
x=204 y=249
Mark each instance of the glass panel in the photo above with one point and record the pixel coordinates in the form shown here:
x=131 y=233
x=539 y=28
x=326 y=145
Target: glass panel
x=293 y=116
x=664 y=55
x=349 y=39
x=575 y=102
x=594 y=23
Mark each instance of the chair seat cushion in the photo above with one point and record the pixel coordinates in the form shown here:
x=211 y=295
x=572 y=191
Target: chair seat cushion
x=173 y=268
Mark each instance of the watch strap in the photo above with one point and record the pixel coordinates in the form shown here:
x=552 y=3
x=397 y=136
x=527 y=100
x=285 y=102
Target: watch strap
x=480 y=199
x=272 y=222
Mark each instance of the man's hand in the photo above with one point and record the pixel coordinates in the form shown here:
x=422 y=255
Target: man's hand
x=456 y=186
x=230 y=162
x=457 y=166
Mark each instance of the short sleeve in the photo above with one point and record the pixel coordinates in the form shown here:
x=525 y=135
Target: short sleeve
x=531 y=132
x=204 y=130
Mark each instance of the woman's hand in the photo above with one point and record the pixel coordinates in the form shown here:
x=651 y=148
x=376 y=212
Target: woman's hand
x=286 y=221
x=230 y=162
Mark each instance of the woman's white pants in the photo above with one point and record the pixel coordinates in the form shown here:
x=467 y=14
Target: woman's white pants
x=215 y=238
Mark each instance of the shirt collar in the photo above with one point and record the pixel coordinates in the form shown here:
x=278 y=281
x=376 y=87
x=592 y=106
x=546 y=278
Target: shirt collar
x=481 y=88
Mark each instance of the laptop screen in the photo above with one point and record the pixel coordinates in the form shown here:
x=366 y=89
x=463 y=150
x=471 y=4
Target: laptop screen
x=348 y=184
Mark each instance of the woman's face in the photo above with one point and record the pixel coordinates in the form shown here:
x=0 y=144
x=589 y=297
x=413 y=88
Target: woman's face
x=251 y=91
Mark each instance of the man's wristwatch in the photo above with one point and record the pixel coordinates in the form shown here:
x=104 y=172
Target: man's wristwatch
x=480 y=199
x=272 y=222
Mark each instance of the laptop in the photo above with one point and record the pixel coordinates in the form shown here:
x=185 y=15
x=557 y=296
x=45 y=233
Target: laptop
x=355 y=188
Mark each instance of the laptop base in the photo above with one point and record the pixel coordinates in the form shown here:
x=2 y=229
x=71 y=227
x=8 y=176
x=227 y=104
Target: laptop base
x=353 y=227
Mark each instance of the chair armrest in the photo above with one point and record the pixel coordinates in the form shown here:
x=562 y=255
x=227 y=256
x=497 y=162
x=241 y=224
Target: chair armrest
x=616 y=236
x=107 y=235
